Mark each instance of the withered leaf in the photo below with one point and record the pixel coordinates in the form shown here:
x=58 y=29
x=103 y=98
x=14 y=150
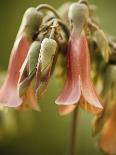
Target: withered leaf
x=102 y=43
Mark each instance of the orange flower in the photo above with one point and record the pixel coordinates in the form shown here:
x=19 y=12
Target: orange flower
x=108 y=134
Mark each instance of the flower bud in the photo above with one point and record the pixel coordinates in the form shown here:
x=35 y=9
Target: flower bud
x=33 y=55
x=45 y=64
x=31 y=21
x=30 y=62
x=47 y=52
x=78 y=15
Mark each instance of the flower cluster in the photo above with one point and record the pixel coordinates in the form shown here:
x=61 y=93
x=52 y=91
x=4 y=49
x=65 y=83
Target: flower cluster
x=69 y=43
x=41 y=40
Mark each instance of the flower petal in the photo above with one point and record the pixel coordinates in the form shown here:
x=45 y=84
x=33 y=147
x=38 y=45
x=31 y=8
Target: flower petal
x=71 y=92
x=108 y=134
x=8 y=92
x=66 y=109
x=29 y=100
x=88 y=90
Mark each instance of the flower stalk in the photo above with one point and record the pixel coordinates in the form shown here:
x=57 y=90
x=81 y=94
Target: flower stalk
x=73 y=133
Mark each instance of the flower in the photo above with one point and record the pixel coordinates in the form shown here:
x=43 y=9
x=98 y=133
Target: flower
x=104 y=123
x=29 y=26
x=34 y=56
x=78 y=83
x=108 y=133
x=37 y=66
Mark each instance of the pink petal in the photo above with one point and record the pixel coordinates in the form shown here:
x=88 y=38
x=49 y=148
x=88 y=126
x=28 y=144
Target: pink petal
x=8 y=92
x=71 y=92
x=78 y=77
x=88 y=90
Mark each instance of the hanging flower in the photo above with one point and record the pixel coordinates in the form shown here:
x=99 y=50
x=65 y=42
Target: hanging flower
x=78 y=84
x=35 y=55
x=37 y=66
x=104 y=123
x=108 y=134
x=29 y=27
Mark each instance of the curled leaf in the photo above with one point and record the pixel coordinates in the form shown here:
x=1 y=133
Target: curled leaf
x=102 y=43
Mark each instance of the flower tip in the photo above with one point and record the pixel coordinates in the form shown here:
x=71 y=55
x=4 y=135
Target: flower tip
x=78 y=14
x=25 y=106
x=64 y=110
x=31 y=21
x=95 y=110
x=36 y=108
x=8 y=97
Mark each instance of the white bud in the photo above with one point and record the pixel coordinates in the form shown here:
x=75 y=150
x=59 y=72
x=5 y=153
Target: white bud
x=78 y=15
x=47 y=51
x=31 y=21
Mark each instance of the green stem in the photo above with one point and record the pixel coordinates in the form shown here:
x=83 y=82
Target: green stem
x=73 y=132
x=48 y=7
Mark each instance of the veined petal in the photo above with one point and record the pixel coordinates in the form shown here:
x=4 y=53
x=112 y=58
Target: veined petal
x=8 y=92
x=71 y=92
x=88 y=90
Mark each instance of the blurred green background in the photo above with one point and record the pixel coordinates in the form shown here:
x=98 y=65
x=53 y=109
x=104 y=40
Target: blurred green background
x=44 y=133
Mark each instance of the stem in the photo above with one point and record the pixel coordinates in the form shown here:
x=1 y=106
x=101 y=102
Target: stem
x=53 y=28
x=93 y=25
x=64 y=27
x=73 y=132
x=49 y=7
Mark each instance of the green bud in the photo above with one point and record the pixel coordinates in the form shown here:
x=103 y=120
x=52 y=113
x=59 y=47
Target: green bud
x=31 y=21
x=45 y=64
x=47 y=52
x=33 y=55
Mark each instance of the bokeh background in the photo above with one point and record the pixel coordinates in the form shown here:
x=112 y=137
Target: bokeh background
x=44 y=133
